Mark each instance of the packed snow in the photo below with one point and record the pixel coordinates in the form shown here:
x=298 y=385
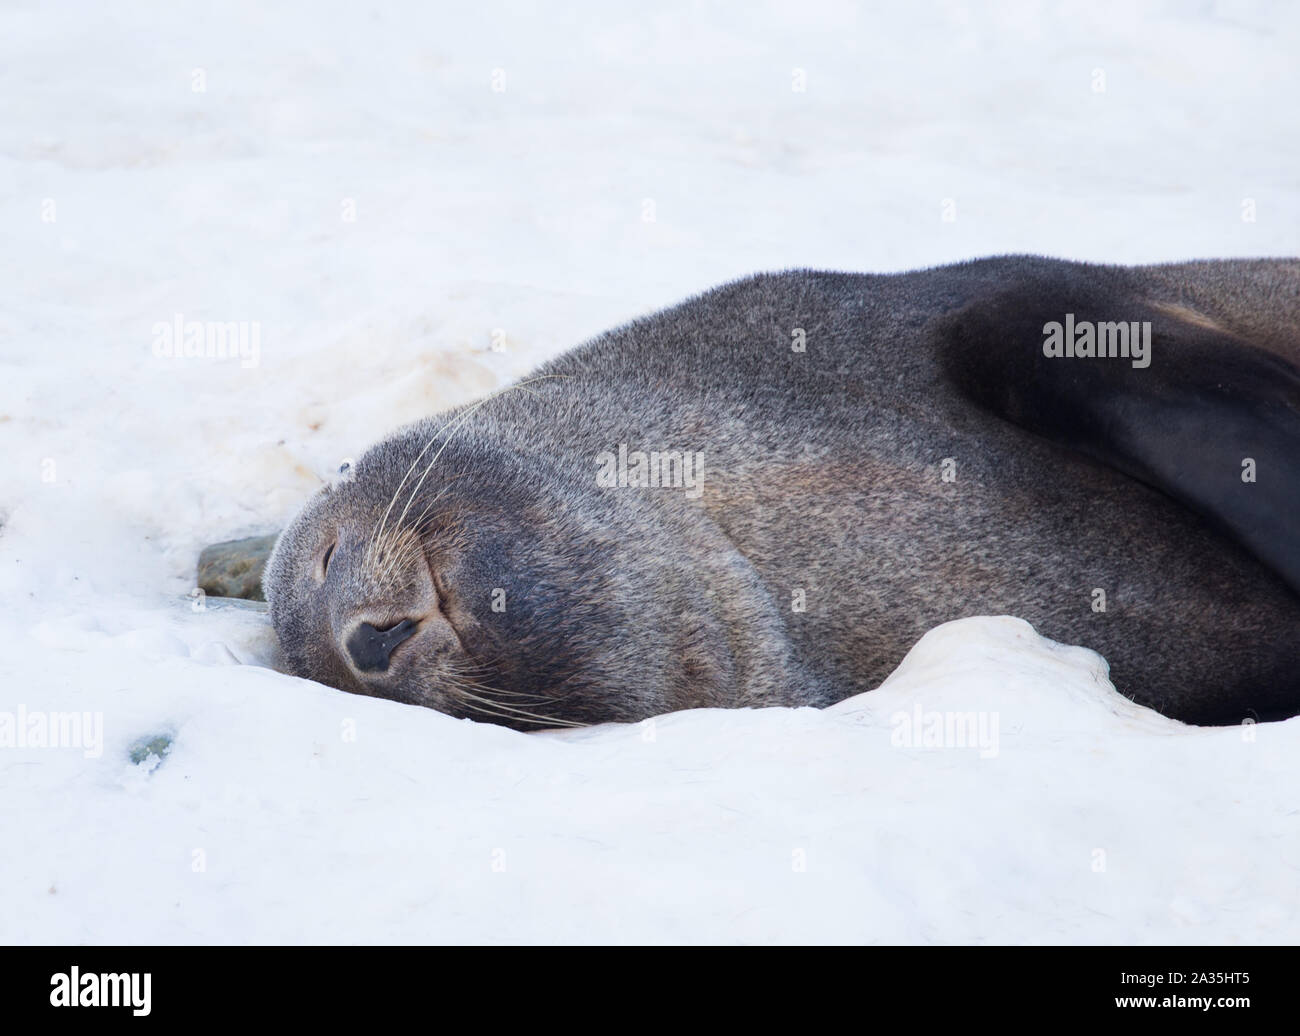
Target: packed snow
x=407 y=205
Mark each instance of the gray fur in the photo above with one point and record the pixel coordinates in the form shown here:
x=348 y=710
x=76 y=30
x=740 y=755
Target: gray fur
x=823 y=475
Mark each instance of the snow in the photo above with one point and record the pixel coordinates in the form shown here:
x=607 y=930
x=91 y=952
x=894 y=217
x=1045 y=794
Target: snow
x=287 y=811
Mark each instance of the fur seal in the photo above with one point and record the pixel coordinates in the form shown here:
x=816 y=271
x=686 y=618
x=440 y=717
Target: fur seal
x=766 y=494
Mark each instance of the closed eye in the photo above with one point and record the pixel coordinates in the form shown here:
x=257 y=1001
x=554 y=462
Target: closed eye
x=325 y=561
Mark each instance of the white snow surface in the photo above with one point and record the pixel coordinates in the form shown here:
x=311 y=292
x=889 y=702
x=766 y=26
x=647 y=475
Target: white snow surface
x=286 y=811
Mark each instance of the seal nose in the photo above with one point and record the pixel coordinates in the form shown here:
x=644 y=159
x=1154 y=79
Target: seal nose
x=371 y=647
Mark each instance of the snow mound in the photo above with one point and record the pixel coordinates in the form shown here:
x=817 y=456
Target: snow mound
x=284 y=811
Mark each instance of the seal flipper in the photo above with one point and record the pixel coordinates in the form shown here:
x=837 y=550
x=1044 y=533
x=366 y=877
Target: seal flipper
x=1213 y=421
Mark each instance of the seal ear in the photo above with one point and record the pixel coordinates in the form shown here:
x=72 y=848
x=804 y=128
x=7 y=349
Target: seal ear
x=1212 y=421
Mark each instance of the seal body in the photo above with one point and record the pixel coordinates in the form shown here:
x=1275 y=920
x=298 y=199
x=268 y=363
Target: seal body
x=767 y=494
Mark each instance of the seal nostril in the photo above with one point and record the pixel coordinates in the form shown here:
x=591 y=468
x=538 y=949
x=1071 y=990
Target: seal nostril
x=371 y=647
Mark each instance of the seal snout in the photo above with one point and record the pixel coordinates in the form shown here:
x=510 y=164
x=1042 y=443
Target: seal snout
x=370 y=647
